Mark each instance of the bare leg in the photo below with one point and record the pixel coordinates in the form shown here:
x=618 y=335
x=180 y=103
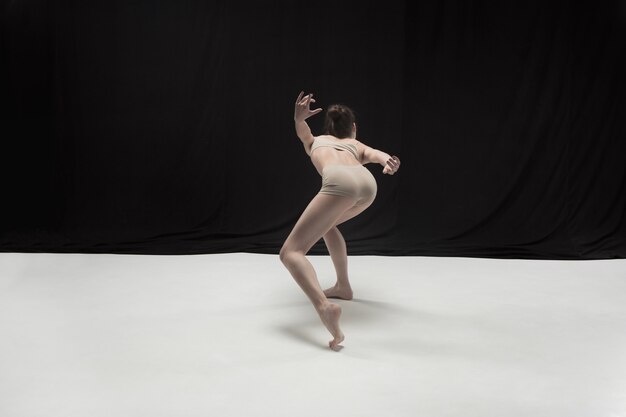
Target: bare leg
x=338 y=253
x=318 y=217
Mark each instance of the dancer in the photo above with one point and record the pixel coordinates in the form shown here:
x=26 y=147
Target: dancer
x=348 y=188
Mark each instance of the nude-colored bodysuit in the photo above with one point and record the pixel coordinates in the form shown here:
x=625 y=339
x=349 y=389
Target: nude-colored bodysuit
x=353 y=181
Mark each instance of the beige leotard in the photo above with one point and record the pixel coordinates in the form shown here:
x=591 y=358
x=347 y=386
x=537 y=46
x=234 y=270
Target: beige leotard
x=320 y=142
x=354 y=181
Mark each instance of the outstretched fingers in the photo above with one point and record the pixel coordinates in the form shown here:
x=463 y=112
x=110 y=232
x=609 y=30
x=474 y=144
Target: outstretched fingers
x=393 y=164
x=303 y=104
x=315 y=111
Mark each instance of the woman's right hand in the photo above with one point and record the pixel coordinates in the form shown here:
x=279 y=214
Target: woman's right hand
x=302 y=110
x=392 y=166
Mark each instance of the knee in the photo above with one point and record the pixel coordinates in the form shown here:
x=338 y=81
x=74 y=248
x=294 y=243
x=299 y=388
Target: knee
x=283 y=254
x=287 y=254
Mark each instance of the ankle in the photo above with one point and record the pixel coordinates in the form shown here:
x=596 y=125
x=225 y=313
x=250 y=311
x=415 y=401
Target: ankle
x=322 y=305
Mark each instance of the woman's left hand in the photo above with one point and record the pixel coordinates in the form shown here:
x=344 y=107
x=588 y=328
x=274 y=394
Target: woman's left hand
x=302 y=110
x=393 y=165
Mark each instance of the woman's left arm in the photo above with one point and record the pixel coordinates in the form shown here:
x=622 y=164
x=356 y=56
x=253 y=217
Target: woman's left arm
x=300 y=114
x=391 y=164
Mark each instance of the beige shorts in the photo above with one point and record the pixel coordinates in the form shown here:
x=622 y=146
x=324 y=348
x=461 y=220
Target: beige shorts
x=349 y=181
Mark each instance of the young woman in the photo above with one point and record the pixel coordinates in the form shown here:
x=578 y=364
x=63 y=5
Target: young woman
x=348 y=188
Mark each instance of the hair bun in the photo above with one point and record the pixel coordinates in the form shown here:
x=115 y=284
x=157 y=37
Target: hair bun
x=334 y=113
x=339 y=121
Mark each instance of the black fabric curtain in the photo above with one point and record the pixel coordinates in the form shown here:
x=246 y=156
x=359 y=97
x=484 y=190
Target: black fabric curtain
x=165 y=127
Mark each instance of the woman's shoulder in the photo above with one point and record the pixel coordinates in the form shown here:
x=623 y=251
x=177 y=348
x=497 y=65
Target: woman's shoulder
x=326 y=137
x=332 y=138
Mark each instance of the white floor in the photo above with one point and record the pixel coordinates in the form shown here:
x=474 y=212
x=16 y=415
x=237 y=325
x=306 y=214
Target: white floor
x=233 y=335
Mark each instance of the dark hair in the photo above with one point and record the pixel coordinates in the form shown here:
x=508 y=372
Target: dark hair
x=338 y=121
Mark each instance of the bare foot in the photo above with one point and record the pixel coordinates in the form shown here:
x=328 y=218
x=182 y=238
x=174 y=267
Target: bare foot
x=338 y=292
x=330 y=314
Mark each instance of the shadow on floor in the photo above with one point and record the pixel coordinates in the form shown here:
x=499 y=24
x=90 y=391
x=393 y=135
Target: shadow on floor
x=357 y=310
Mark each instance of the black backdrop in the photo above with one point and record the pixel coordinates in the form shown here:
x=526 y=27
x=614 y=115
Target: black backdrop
x=166 y=127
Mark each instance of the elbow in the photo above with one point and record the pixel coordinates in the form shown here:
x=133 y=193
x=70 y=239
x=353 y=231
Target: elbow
x=370 y=155
x=377 y=156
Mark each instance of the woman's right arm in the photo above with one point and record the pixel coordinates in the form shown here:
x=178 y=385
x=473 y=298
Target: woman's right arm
x=302 y=112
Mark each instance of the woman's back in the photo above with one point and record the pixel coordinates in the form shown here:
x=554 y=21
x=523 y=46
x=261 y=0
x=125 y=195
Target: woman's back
x=329 y=150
